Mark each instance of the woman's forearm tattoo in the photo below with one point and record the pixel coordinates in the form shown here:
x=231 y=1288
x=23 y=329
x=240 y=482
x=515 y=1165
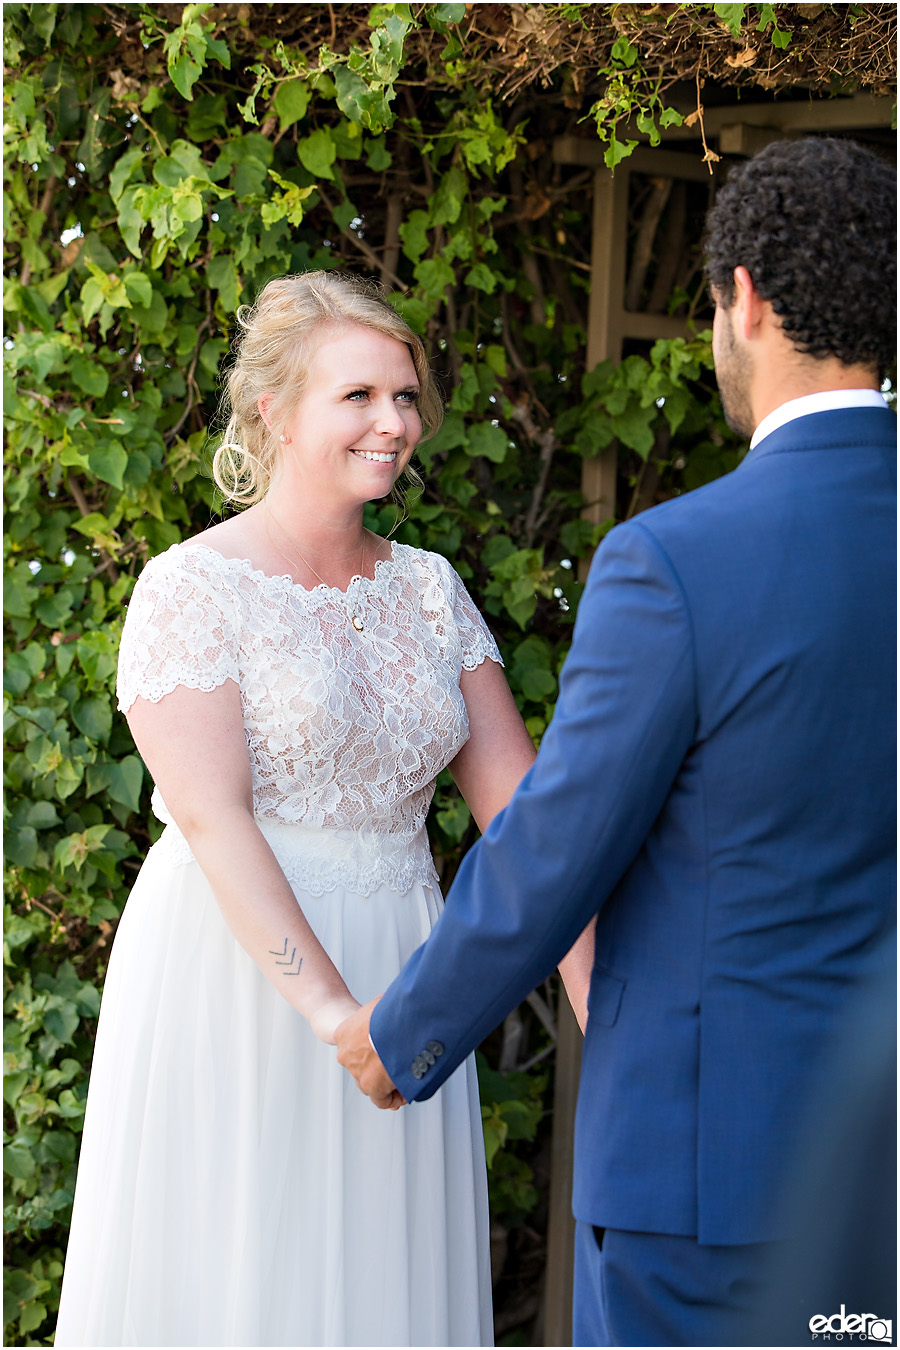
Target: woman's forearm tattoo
x=290 y=959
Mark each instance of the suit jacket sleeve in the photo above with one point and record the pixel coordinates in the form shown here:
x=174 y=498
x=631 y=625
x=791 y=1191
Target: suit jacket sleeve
x=624 y=721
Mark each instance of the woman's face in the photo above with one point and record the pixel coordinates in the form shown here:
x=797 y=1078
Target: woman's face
x=356 y=425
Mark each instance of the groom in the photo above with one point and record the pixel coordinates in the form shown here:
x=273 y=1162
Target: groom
x=716 y=786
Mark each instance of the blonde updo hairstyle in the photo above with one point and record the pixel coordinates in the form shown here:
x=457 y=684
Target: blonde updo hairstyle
x=272 y=352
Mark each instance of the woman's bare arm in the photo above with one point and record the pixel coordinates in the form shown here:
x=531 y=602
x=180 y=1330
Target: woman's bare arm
x=575 y=969
x=193 y=744
x=499 y=751
x=487 y=771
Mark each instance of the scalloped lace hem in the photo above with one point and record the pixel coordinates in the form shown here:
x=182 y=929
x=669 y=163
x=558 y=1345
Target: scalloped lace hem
x=155 y=691
x=478 y=655
x=319 y=861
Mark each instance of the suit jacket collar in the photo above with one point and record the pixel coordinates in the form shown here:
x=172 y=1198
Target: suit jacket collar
x=824 y=400
x=831 y=430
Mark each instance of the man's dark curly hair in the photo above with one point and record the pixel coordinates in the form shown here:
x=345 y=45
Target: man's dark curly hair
x=815 y=224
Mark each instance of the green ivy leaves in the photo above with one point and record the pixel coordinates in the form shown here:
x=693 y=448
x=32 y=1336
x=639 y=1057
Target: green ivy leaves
x=222 y=275
x=44 y=1016
x=768 y=15
x=623 y=402
x=290 y=102
x=633 y=100
x=317 y=153
x=102 y=294
x=29 y=1294
x=511 y=1109
x=732 y=16
x=189 y=47
x=364 y=80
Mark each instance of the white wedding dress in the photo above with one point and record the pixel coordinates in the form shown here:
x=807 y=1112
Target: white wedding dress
x=235 y=1187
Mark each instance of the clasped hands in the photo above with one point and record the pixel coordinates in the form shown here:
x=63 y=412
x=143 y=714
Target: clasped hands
x=355 y=1053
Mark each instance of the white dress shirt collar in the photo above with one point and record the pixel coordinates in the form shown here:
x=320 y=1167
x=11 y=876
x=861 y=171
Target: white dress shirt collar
x=828 y=401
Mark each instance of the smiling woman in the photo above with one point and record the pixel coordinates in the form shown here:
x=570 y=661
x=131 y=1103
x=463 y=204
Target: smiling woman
x=326 y=375
x=295 y=684
x=340 y=443
x=344 y=441
x=275 y=352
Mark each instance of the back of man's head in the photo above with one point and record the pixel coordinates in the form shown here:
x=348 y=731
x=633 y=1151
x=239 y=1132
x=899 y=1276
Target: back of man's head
x=815 y=224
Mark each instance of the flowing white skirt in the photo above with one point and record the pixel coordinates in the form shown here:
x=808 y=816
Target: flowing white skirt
x=235 y=1187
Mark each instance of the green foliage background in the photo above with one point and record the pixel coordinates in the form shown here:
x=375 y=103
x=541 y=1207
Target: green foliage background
x=161 y=165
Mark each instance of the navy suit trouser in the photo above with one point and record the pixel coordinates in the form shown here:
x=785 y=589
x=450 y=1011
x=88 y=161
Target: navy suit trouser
x=658 y=1289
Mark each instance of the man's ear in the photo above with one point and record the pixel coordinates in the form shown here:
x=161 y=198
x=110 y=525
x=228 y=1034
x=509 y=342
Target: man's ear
x=749 y=310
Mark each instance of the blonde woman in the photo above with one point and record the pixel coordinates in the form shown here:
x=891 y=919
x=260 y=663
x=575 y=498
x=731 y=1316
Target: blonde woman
x=294 y=683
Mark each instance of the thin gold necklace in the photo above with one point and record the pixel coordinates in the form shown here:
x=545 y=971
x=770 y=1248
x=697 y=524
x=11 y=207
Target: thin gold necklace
x=352 y=615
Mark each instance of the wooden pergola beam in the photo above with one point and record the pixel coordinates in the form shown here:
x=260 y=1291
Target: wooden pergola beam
x=854 y=113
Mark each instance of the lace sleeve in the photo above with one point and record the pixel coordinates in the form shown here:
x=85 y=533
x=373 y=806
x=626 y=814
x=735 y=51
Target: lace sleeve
x=180 y=629
x=476 y=640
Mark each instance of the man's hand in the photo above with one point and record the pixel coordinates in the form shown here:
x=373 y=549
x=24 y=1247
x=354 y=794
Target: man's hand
x=355 y=1053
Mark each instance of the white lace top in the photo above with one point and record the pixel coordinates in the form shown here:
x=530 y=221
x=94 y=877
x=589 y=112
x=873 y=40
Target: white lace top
x=346 y=730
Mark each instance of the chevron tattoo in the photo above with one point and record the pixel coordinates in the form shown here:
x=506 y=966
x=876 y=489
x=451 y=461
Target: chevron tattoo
x=290 y=959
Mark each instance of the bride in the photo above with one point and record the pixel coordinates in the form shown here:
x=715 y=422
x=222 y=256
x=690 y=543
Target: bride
x=294 y=684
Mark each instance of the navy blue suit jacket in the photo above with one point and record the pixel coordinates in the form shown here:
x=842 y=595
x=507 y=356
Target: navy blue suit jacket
x=718 y=786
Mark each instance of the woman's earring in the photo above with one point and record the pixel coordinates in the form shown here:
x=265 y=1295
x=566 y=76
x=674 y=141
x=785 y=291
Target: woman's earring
x=285 y=440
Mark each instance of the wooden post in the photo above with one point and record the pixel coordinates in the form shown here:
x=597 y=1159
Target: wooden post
x=605 y=322
x=561 y=1225
x=608 y=325
x=598 y=484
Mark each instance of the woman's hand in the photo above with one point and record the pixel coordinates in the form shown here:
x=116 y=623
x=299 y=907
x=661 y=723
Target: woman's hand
x=358 y=1056
x=330 y=1014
